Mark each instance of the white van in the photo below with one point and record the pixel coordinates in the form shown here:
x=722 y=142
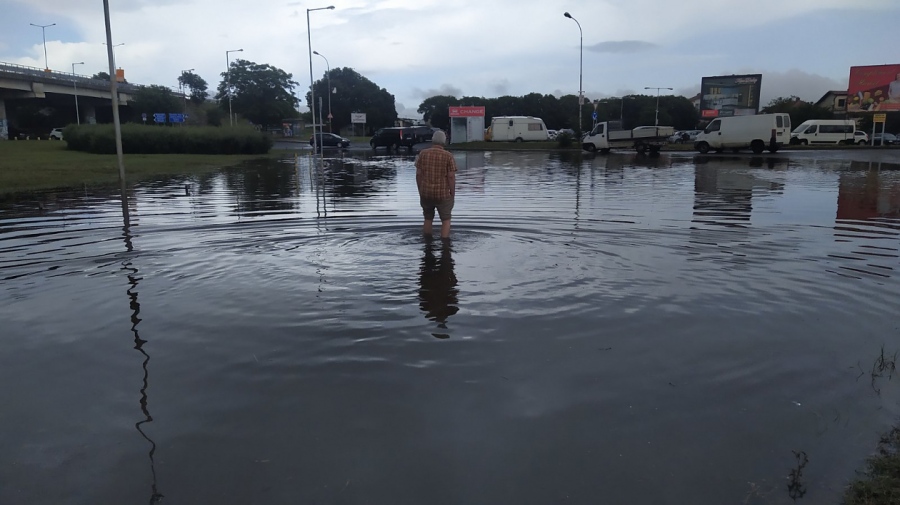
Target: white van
x=758 y=132
x=516 y=129
x=824 y=131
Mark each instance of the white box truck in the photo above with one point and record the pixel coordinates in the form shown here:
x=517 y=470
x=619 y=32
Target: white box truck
x=643 y=138
x=758 y=132
x=516 y=129
x=825 y=132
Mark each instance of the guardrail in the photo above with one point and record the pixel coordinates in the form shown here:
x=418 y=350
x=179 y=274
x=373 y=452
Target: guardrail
x=41 y=75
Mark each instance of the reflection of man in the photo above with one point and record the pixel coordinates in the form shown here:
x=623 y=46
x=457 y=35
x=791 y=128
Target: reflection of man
x=436 y=180
x=438 y=294
x=894 y=89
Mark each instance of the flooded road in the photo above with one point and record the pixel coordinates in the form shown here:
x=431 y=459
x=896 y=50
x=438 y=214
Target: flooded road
x=601 y=329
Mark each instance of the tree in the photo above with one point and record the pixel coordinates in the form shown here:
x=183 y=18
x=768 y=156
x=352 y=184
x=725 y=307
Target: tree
x=355 y=93
x=102 y=76
x=195 y=84
x=799 y=110
x=260 y=92
x=152 y=99
x=436 y=110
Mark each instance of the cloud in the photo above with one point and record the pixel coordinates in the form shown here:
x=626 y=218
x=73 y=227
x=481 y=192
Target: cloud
x=500 y=87
x=444 y=89
x=621 y=46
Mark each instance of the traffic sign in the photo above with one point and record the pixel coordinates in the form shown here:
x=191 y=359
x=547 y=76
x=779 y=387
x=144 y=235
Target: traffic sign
x=176 y=117
x=594 y=115
x=159 y=117
x=879 y=118
x=144 y=117
x=330 y=116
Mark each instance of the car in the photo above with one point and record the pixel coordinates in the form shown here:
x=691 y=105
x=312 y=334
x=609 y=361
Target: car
x=56 y=134
x=692 y=134
x=567 y=131
x=329 y=140
x=551 y=134
x=887 y=139
x=860 y=138
x=394 y=138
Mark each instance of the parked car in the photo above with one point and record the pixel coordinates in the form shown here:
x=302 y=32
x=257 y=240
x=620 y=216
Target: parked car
x=56 y=134
x=551 y=134
x=887 y=139
x=391 y=138
x=420 y=133
x=860 y=138
x=329 y=140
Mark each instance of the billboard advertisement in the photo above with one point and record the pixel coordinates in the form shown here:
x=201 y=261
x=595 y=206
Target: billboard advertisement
x=729 y=95
x=874 y=88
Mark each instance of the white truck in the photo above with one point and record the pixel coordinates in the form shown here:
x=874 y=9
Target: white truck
x=758 y=132
x=516 y=129
x=643 y=138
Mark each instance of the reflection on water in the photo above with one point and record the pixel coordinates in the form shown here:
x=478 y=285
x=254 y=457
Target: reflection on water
x=595 y=312
x=438 y=292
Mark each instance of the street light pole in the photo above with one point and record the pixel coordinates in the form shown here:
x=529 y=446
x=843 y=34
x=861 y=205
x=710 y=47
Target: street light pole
x=328 y=75
x=183 y=95
x=312 y=91
x=228 y=82
x=580 y=66
x=75 y=87
x=656 y=122
x=44 y=37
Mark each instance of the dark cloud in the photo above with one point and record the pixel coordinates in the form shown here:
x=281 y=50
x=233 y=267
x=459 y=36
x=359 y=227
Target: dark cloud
x=501 y=87
x=621 y=46
x=444 y=89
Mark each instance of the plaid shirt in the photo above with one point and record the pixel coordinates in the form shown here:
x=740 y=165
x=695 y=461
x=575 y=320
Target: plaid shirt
x=435 y=174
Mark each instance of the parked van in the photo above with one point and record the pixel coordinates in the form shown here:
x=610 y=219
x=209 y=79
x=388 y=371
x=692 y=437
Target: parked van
x=824 y=131
x=759 y=132
x=516 y=129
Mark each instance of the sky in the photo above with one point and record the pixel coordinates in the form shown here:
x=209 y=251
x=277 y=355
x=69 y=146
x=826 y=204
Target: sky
x=420 y=48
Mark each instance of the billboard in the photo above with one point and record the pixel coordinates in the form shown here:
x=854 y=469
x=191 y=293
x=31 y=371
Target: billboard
x=729 y=95
x=466 y=111
x=874 y=88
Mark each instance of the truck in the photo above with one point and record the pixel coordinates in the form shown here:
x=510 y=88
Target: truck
x=516 y=129
x=604 y=136
x=758 y=132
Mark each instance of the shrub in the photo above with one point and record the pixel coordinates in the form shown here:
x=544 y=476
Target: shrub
x=140 y=139
x=565 y=139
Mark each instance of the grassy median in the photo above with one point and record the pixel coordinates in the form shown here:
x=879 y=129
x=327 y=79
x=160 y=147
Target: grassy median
x=30 y=165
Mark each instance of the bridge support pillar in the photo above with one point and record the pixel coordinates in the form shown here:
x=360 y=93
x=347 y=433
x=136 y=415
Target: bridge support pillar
x=4 y=122
x=89 y=113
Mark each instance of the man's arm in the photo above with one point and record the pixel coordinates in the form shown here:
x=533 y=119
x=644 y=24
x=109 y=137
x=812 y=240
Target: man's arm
x=451 y=178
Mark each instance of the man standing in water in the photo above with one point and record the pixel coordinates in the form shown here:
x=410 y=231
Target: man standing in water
x=436 y=180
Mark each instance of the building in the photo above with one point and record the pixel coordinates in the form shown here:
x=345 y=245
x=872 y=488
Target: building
x=835 y=101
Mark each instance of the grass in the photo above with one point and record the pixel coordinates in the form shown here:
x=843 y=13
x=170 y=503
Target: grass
x=32 y=165
x=880 y=483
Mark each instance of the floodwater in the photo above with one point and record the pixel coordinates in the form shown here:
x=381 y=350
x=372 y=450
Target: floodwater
x=600 y=329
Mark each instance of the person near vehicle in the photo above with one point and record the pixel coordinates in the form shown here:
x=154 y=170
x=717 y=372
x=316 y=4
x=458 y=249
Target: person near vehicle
x=436 y=180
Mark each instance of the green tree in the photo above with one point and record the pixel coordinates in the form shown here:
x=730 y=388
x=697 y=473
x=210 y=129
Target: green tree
x=260 y=92
x=195 y=84
x=799 y=110
x=435 y=110
x=150 y=100
x=103 y=76
x=355 y=93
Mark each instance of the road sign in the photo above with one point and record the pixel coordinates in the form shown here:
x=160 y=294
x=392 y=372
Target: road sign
x=594 y=115
x=176 y=117
x=144 y=117
x=358 y=117
x=879 y=118
x=330 y=116
x=159 y=117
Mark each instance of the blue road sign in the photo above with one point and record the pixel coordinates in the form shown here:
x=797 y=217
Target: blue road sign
x=159 y=117
x=594 y=115
x=176 y=117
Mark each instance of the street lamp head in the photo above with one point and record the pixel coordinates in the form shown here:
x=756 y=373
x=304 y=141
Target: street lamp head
x=566 y=14
x=316 y=52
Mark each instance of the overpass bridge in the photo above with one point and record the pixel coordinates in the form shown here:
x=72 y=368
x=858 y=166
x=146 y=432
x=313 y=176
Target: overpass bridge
x=58 y=90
